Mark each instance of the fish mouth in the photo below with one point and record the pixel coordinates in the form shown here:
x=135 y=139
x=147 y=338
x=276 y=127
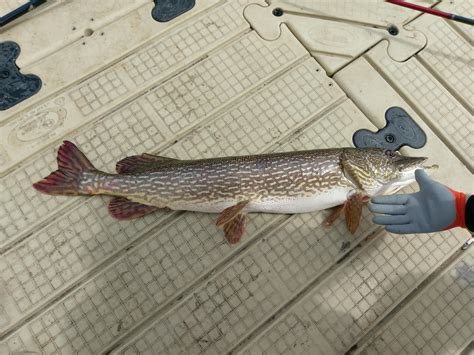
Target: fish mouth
x=406 y=167
x=410 y=163
x=430 y=167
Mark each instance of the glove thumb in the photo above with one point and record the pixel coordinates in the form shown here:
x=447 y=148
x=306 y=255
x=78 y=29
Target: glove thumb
x=422 y=178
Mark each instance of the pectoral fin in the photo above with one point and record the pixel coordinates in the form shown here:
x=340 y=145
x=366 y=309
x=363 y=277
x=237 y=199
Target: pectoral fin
x=233 y=221
x=353 y=210
x=140 y=163
x=335 y=212
x=123 y=209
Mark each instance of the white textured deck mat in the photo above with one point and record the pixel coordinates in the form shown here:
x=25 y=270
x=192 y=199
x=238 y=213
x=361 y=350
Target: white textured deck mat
x=74 y=280
x=439 y=321
x=337 y=31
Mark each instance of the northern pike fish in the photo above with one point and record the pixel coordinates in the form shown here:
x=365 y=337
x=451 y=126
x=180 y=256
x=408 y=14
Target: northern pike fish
x=293 y=182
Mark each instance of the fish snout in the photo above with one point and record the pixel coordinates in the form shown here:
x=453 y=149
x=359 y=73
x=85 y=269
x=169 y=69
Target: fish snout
x=405 y=163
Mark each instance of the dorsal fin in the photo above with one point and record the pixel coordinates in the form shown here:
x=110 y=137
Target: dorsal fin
x=141 y=163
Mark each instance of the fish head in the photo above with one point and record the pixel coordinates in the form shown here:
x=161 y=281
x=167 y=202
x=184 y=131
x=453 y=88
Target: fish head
x=381 y=172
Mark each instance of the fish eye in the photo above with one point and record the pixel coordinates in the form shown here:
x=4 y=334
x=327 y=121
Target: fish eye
x=389 y=153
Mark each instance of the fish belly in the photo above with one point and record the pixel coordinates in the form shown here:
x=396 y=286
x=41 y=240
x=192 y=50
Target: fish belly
x=283 y=205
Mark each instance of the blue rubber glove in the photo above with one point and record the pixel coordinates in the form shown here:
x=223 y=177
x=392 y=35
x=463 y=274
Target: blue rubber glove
x=434 y=208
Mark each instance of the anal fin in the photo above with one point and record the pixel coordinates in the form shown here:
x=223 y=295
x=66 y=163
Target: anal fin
x=123 y=209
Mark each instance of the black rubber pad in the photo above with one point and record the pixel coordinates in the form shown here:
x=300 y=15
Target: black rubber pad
x=14 y=86
x=400 y=130
x=166 y=10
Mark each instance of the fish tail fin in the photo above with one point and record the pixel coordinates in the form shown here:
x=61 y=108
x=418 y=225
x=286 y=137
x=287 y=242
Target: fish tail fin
x=65 y=181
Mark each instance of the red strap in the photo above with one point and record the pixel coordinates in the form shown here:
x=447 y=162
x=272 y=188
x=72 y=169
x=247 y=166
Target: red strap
x=460 y=201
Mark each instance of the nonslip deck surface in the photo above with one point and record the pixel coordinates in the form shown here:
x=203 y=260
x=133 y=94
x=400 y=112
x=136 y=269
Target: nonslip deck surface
x=223 y=79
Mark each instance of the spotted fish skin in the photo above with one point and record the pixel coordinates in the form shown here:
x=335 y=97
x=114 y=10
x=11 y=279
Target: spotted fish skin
x=292 y=182
x=200 y=184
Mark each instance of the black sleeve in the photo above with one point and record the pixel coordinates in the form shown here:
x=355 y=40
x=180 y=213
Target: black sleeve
x=470 y=213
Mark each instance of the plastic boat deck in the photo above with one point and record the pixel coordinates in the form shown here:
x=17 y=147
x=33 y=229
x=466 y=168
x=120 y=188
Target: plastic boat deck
x=230 y=78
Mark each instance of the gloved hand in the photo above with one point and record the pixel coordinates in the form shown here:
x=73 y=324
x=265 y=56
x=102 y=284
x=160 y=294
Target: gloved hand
x=434 y=208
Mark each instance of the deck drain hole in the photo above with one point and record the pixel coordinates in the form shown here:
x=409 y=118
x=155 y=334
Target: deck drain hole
x=393 y=30
x=277 y=12
x=88 y=32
